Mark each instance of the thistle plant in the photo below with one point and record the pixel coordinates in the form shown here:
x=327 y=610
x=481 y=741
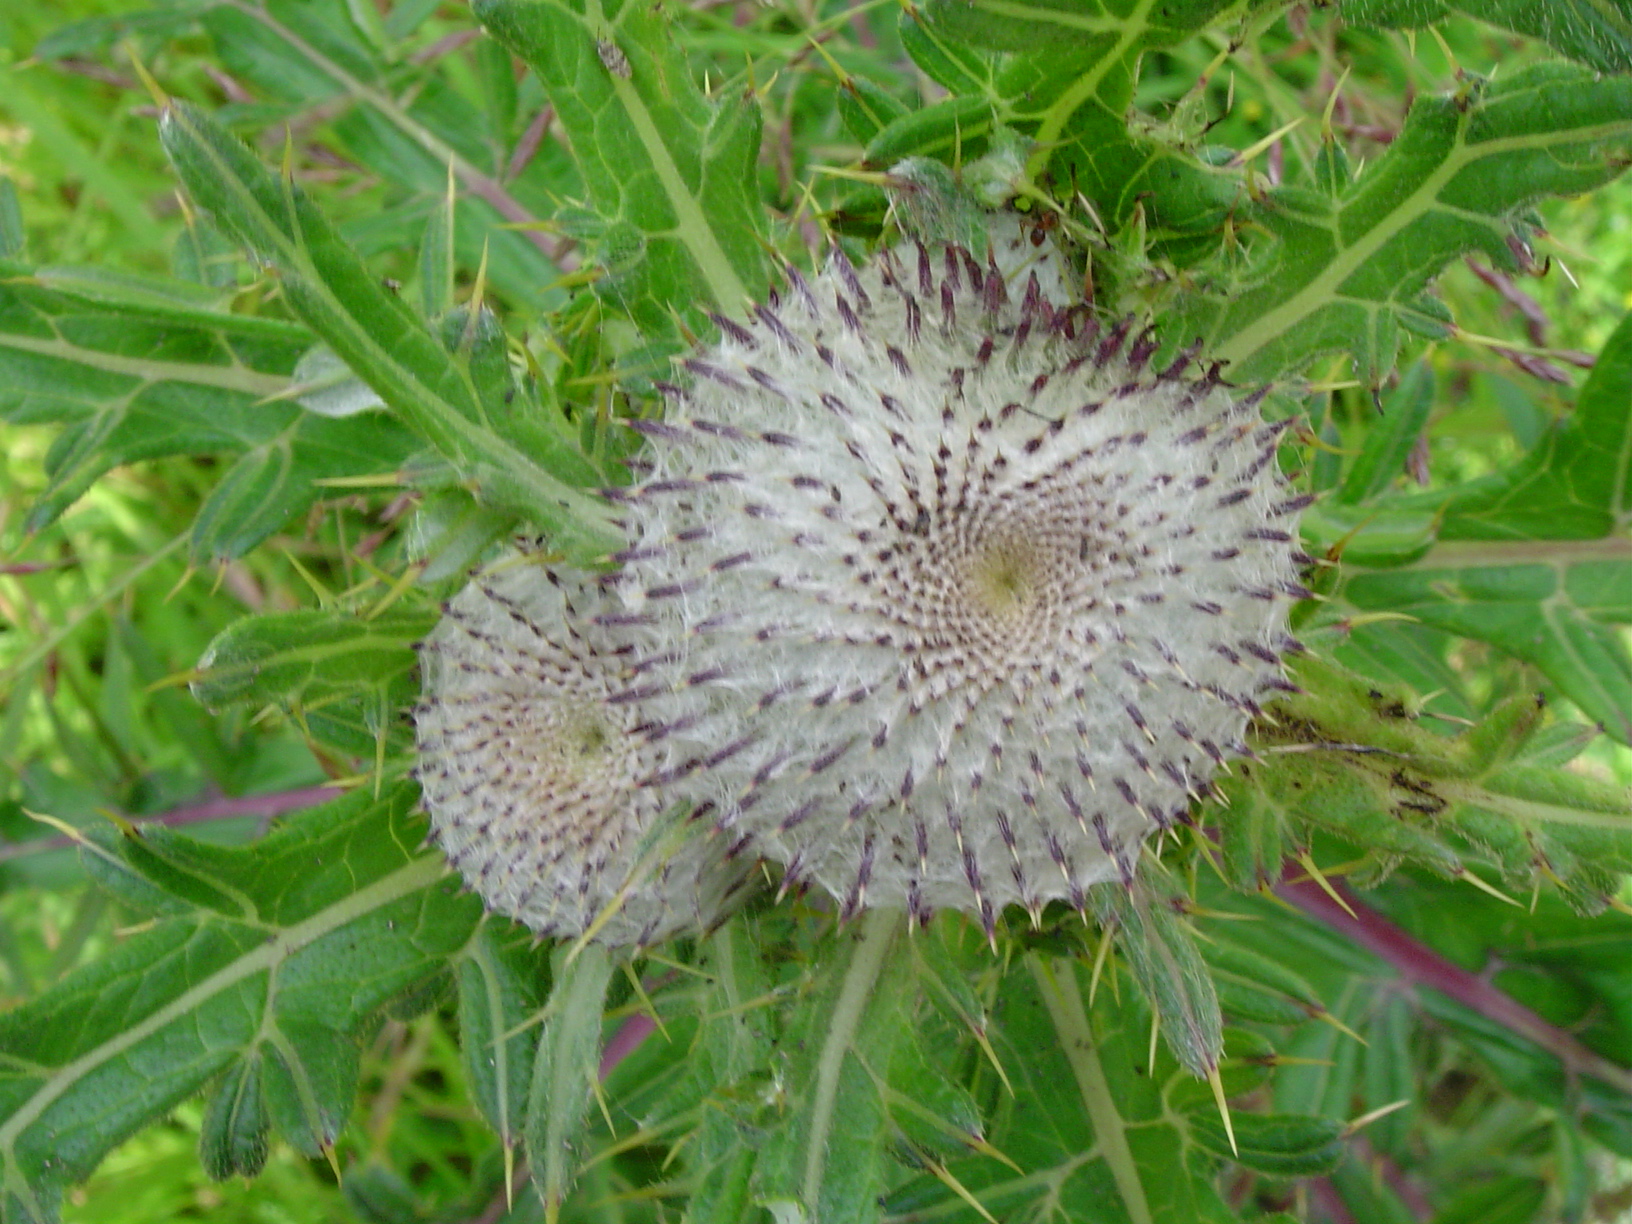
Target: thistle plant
x=937 y=595
x=825 y=647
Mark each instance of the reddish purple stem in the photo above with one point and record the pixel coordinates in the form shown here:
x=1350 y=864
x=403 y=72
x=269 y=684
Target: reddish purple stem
x=275 y=804
x=626 y=1041
x=1325 y=1198
x=1420 y=965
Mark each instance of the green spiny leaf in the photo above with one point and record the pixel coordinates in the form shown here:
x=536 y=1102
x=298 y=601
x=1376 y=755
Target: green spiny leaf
x=1280 y=1144
x=1026 y=24
x=867 y=108
x=956 y=68
x=1161 y=952
x=307 y=656
x=309 y=1076
x=141 y=368
x=1536 y=559
x=1082 y=1124
x=1338 y=275
x=233 y=1138
x=502 y=985
x=654 y=153
x=374 y=332
x=1596 y=32
x=345 y=917
x=826 y=1160
x=1389 y=441
x=569 y=1053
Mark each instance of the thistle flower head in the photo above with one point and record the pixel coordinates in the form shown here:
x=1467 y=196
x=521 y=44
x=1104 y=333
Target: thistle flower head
x=963 y=595
x=541 y=783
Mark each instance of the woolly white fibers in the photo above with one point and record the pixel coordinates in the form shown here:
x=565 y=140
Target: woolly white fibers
x=989 y=599
x=542 y=787
x=938 y=594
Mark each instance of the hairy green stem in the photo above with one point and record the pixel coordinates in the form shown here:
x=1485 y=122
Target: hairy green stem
x=1065 y=1009
x=1478 y=554
x=879 y=930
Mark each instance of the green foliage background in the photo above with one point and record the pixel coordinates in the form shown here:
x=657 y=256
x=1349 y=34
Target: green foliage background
x=265 y=403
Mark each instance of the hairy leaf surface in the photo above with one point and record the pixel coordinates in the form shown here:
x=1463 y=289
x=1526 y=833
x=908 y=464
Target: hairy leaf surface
x=1537 y=559
x=668 y=172
x=1345 y=273
x=303 y=938
x=1596 y=32
x=374 y=332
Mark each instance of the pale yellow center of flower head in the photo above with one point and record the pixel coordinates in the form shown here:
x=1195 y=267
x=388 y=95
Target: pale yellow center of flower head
x=1005 y=578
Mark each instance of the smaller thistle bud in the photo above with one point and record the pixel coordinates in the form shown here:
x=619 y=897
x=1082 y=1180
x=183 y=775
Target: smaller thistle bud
x=540 y=773
x=968 y=595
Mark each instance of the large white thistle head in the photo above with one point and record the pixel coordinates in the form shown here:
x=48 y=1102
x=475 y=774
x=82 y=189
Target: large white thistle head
x=966 y=598
x=938 y=595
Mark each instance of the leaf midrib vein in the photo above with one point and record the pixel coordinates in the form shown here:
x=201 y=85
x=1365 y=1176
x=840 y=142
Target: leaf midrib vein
x=694 y=229
x=1350 y=259
x=399 y=883
x=227 y=378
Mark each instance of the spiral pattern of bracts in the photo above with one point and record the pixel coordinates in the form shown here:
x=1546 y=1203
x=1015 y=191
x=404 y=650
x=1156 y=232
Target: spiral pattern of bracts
x=938 y=593
x=544 y=782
